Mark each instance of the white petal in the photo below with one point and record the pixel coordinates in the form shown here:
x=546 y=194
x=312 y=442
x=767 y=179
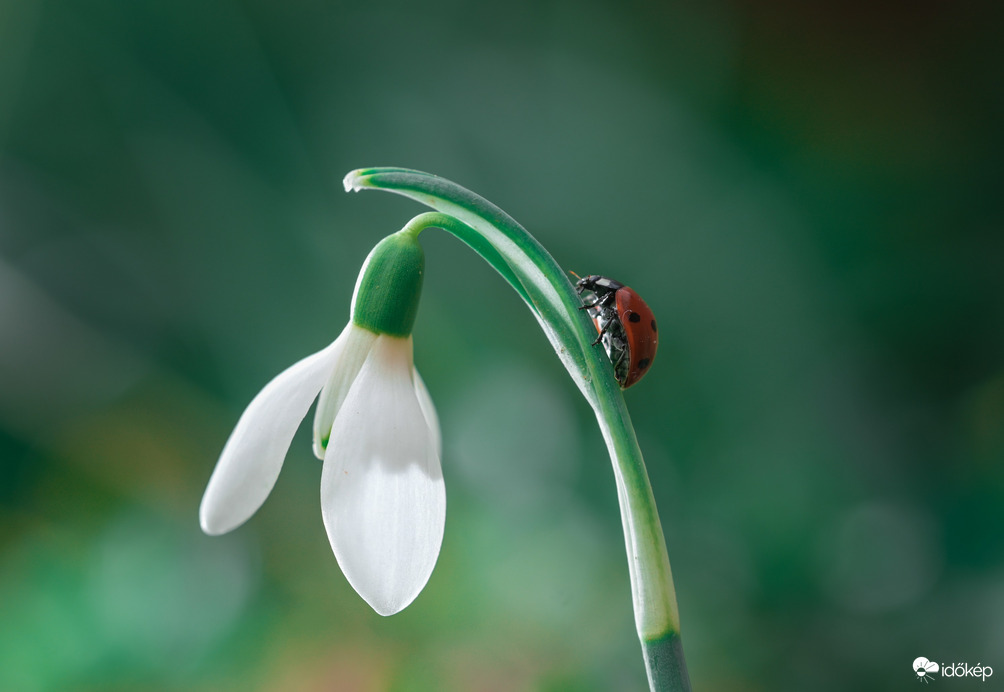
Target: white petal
x=429 y=412
x=252 y=458
x=382 y=493
x=357 y=345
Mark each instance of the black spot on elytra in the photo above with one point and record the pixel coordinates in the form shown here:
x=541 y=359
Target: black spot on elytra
x=634 y=317
x=643 y=363
x=653 y=325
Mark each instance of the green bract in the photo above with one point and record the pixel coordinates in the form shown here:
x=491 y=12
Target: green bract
x=389 y=286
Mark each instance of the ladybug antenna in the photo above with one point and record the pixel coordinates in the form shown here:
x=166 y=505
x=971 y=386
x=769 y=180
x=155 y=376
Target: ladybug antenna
x=574 y=274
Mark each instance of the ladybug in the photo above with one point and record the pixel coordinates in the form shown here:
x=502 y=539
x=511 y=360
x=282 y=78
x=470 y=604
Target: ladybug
x=625 y=324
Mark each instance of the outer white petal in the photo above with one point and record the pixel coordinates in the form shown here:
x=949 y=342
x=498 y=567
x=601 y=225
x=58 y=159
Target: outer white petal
x=358 y=342
x=429 y=411
x=382 y=493
x=252 y=458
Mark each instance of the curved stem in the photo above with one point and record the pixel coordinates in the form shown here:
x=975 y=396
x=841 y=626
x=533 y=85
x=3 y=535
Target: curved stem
x=538 y=279
x=657 y=617
x=477 y=242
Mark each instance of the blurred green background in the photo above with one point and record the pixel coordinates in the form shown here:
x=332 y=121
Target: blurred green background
x=807 y=196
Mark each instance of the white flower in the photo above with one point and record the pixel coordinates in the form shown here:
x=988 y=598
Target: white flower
x=383 y=499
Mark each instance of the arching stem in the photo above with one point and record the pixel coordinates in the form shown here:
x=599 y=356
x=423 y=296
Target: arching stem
x=546 y=290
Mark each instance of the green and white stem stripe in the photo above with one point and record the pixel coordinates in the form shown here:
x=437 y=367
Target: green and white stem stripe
x=546 y=289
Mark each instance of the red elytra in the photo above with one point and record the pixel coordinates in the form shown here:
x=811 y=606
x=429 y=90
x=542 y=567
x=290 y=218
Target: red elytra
x=642 y=334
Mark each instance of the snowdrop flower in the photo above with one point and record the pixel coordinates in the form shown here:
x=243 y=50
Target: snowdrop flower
x=383 y=499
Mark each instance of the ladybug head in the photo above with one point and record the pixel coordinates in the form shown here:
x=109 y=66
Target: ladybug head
x=587 y=283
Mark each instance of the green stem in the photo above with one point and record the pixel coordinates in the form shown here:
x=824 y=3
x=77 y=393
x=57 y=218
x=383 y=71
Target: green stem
x=664 y=662
x=477 y=242
x=543 y=285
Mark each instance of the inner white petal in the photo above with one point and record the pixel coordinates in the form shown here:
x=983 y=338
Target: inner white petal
x=429 y=411
x=357 y=345
x=252 y=457
x=382 y=493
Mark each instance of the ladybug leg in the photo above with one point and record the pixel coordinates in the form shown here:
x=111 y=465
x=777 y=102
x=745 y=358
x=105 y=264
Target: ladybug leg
x=603 y=330
x=610 y=327
x=605 y=301
x=617 y=365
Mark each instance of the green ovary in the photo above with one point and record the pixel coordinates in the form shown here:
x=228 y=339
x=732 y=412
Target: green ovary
x=389 y=286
